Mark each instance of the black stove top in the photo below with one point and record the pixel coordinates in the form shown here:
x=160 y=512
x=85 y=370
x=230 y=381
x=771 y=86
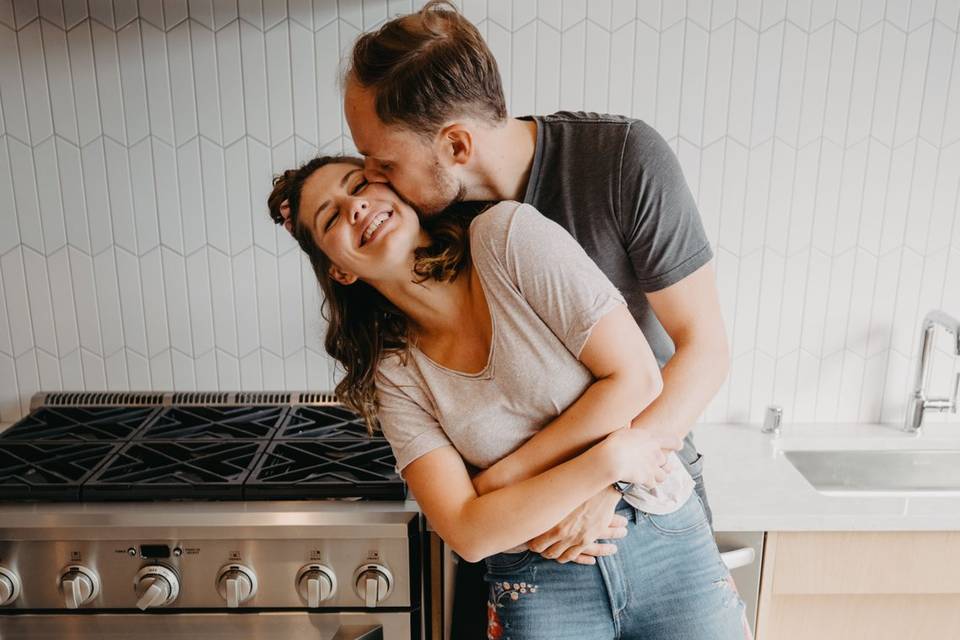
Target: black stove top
x=251 y=452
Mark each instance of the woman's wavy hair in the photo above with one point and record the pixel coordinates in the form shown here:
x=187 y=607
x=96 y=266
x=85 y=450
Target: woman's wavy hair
x=362 y=325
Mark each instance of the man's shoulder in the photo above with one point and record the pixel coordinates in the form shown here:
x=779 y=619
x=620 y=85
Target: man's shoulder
x=594 y=131
x=585 y=118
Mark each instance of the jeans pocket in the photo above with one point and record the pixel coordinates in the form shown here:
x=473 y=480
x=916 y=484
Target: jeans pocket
x=695 y=466
x=690 y=517
x=504 y=564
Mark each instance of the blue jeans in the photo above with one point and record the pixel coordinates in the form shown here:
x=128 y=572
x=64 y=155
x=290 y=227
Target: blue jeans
x=666 y=582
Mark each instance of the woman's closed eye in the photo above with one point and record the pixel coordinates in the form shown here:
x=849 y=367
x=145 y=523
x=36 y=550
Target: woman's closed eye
x=359 y=186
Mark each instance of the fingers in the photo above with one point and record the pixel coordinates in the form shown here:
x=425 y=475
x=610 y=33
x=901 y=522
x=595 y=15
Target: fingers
x=615 y=533
x=618 y=521
x=579 y=552
x=595 y=550
x=554 y=551
x=669 y=442
x=570 y=554
x=542 y=542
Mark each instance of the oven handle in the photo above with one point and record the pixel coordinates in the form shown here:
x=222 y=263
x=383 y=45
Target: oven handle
x=738 y=557
x=359 y=632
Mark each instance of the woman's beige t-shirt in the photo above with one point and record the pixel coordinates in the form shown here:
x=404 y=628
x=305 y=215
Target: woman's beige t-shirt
x=545 y=295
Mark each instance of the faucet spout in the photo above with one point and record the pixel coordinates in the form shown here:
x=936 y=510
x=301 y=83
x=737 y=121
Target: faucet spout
x=938 y=318
x=918 y=401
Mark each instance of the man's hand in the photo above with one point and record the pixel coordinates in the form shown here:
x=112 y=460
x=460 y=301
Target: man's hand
x=575 y=537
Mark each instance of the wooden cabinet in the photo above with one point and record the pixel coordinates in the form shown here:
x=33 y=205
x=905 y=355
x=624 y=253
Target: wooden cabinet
x=860 y=585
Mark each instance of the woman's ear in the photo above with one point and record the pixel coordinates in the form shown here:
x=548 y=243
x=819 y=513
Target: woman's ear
x=341 y=276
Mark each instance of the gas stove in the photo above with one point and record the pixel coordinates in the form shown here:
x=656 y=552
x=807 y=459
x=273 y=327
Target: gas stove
x=275 y=505
x=224 y=447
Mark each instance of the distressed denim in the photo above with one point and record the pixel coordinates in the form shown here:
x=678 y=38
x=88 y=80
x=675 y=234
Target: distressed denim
x=666 y=582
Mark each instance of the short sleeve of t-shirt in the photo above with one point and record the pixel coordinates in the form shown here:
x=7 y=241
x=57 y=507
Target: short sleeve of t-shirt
x=549 y=269
x=407 y=425
x=661 y=226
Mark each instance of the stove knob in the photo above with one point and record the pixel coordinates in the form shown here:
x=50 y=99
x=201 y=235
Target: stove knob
x=9 y=586
x=78 y=585
x=236 y=584
x=155 y=586
x=316 y=583
x=373 y=583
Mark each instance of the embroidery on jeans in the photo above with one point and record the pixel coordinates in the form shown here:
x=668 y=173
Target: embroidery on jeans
x=503 y=591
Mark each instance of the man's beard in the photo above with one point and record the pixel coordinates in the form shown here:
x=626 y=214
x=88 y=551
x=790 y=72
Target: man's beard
x=448 y=192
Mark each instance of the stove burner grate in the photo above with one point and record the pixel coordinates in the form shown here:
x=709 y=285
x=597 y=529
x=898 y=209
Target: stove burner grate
x=49 y=470
x=176 y=470
x=226 y=452
x=298 y=469
x=79 y=423
x=329 y=422
x=227 y=423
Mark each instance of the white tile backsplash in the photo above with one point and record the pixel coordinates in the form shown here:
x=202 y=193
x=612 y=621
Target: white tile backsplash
x=821 y=139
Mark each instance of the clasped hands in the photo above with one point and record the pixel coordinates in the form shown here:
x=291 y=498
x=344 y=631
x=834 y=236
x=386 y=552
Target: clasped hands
x=643 y=459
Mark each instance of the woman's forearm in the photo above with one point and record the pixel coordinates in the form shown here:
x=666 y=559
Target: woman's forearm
x=607 y=405
x=510 y=516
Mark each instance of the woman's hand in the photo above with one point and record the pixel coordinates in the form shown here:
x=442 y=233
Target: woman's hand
x=575 y=538
x=639 y=456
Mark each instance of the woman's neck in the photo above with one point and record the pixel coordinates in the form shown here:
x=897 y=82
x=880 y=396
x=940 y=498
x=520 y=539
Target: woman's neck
x=433 y=308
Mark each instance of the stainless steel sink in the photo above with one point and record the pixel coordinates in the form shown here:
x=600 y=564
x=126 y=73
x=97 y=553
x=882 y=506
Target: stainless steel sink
x=896 y=471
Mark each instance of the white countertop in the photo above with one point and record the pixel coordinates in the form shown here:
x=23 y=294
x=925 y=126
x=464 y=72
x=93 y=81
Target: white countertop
x=751 y=486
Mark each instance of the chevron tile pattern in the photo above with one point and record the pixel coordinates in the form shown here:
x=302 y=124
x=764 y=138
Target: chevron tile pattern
x=137 y=140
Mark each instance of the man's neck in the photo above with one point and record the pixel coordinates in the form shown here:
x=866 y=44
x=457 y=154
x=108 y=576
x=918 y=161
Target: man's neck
x=504 y=168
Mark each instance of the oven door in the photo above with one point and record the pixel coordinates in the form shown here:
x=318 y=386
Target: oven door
x=295 y=625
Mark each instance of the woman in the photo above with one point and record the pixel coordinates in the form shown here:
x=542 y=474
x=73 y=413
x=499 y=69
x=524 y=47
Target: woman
x=496 y=344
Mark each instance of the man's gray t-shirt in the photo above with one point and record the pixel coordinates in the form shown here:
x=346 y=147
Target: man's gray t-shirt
x=617 y=187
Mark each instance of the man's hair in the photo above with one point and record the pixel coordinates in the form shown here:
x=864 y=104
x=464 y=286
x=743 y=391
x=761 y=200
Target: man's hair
x=428 y=67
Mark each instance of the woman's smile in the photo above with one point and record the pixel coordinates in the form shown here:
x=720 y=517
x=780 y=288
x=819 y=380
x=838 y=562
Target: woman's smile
x=375 y=223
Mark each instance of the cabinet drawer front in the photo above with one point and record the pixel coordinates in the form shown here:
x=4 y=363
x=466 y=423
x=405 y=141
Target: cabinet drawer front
x=866 y=562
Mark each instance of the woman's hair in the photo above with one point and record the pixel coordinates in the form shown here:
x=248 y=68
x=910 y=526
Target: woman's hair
x=362 y=325
x=427 y=67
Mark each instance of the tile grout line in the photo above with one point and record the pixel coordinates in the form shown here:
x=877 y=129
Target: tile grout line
x=813 y=218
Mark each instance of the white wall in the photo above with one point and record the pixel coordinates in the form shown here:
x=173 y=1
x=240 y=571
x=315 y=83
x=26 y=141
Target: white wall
x=822 y=140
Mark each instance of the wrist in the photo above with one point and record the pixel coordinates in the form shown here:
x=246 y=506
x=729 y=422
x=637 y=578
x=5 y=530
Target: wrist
x=610 y=462
x=489 y=480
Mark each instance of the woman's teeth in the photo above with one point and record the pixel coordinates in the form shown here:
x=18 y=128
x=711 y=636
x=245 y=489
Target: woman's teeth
x=374 y=224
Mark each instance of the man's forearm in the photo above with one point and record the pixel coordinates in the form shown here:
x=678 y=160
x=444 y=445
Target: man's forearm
x=691 y=379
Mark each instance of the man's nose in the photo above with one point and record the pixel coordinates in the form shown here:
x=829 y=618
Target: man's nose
x=371 y=173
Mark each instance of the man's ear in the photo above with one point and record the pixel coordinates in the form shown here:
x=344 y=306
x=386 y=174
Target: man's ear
x=341 y=276
x=456 y=143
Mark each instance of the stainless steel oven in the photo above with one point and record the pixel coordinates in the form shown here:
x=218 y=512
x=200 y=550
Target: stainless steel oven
x=209 y=626
x=203 y=515
x=221 y=570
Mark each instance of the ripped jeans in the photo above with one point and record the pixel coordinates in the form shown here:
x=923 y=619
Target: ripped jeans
x=666 y=582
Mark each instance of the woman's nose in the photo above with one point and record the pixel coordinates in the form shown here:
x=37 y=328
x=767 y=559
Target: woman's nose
x=358 y=208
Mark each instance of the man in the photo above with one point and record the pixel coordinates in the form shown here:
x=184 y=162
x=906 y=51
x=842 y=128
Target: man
x=424 y=102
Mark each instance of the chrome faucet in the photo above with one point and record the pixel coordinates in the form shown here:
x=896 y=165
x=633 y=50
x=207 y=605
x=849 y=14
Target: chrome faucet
x=918 y=402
